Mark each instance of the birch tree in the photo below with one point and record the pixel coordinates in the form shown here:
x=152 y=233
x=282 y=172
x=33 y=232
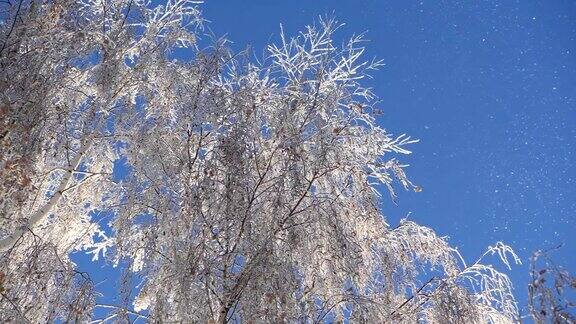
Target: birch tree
x=253 y=189
x=551 y=290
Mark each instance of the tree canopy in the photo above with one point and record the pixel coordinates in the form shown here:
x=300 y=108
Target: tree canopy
x=251 y=191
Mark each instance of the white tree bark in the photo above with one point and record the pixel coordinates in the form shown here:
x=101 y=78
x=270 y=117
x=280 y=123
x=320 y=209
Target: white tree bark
x=40 y=215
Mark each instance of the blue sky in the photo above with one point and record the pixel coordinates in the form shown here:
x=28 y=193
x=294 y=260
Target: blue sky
x=488 y=87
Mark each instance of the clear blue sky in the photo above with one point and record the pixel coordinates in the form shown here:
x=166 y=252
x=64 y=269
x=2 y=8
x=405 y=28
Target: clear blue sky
x=490 y=89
